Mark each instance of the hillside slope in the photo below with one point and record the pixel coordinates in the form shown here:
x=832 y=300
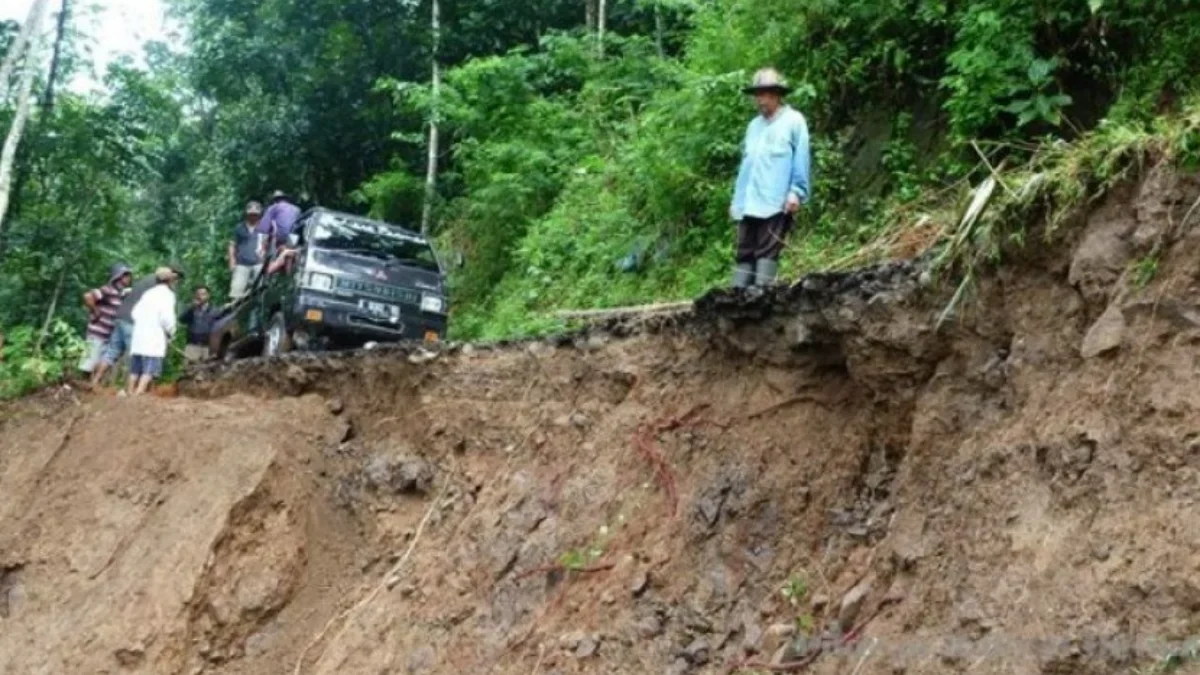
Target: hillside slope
x=1009 y=494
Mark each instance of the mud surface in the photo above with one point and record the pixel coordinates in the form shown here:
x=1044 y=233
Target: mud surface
x=816 y=479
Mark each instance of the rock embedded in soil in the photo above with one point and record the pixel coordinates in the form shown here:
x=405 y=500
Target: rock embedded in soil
x=340 y=431
x=1105 y=335
x=421 y=660
x=130 y=657
x=697 y=652
x=819 y=602
x=571 y=641
x=678 y=667
x=648 y=627
x=400 y=475
x=641 y=581
x=777 y=635
x=852 y=604
x=587 y=647
x=752 y=634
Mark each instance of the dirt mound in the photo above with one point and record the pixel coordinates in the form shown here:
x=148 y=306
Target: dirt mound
x=814 y=480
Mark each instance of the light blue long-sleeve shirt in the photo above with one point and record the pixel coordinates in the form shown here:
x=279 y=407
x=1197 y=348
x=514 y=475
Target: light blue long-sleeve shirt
x=775 y=163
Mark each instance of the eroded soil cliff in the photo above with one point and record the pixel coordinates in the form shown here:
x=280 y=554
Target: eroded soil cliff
x=819 y=479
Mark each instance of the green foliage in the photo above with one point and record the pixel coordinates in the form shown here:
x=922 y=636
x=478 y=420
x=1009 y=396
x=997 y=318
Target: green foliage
x=562 y=198
x=1058 y=181
x=575 y=178
x=582 y=558
x=795 y=591
x=1144 y=270
x=994 y=61
x=30 y=361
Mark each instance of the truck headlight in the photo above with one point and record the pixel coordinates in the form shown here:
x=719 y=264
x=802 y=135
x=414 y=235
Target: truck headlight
x=320 y=282
x=431 y=303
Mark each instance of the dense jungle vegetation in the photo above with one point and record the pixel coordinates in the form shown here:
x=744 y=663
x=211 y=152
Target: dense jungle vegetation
x=587 y=147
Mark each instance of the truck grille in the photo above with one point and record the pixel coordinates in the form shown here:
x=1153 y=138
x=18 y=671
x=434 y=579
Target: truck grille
x=402 y=295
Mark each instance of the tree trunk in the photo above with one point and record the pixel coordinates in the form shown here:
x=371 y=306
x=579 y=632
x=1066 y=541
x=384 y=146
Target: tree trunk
x=56 y=59
x=590 y=15
x=601 y=20
x=37 y=346
x=28 y=31
x=432 y=167
x=659 y=29
x=9 y=154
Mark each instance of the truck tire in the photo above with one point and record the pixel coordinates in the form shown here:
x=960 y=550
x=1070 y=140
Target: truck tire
x=278 y=340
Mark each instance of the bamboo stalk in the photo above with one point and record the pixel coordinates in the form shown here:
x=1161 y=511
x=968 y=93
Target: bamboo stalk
x=664 y=307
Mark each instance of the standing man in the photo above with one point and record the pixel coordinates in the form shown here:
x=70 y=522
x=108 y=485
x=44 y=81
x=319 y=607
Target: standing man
x=280 y=218
x=103 y=304
x=153 y=327
x=199 y=320
x=772 y=183
x=246 y=252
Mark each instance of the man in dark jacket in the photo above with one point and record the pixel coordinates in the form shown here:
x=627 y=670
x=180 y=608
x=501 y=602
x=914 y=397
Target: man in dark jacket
x=199 y=320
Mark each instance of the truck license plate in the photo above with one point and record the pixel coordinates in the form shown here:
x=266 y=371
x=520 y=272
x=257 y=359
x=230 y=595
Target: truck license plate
x=379 y=308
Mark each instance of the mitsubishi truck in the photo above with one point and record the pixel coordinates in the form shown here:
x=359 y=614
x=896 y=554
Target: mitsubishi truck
x=348 y=281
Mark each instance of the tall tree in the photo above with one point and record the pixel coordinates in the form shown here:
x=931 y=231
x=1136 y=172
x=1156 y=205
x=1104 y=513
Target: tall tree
x=25 y=88
x=20 y=45
x=432 y=166
x=601 y=20
x=56 y=60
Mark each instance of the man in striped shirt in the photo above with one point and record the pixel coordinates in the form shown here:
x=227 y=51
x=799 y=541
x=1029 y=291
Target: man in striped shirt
x=103 y=304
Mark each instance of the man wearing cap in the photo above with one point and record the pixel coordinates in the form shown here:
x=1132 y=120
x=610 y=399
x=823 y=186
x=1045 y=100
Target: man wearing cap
x=103 y=304
x=246 y=252
x=154 y=325
x=122 y=337
x=280 y=218
x=772 y=182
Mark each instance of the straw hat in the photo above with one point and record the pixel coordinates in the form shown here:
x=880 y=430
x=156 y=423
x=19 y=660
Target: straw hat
x=768 y=79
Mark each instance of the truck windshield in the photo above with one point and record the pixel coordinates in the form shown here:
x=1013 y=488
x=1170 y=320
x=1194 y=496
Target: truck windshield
x=377 y=241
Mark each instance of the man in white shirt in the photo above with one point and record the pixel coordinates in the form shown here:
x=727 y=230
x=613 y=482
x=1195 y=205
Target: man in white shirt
x=153 y=328
x=772 y=182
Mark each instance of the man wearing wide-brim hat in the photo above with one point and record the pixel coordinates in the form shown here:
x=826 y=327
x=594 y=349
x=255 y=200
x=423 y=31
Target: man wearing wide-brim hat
x=278 y=221
x=772 y=183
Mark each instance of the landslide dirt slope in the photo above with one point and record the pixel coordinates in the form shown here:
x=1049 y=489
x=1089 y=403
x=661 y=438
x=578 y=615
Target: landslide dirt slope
x=1013 y=493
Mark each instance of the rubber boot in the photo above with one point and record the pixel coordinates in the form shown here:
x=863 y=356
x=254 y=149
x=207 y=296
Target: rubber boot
x=742 y=275
x=765 y=272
